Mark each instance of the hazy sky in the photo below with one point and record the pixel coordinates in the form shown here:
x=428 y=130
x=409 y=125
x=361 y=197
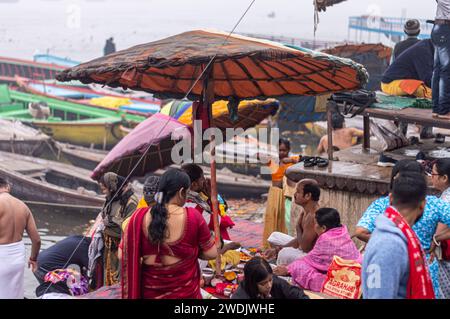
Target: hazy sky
x=78 y=28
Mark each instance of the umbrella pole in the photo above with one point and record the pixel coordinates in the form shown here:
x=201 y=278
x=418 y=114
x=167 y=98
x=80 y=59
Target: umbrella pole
x=208 y=100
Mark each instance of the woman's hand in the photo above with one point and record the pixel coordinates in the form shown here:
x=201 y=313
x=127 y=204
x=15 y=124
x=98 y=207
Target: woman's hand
x=270 y=253
x=281 y=270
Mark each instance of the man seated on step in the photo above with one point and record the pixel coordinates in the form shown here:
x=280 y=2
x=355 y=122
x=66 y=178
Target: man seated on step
x=287 y=248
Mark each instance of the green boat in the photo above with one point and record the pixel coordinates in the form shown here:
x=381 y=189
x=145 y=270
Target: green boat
x=66 y=121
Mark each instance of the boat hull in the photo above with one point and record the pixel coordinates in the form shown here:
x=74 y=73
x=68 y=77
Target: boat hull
x=104 y=135
x=26 y=147
x=44 y=182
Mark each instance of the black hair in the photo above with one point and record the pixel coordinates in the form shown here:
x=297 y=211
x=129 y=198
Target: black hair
x=255 y=270
x=337 y=121
x=3 y=182
x=170 y=183
x=328 y=217
x=194 y=171
x=285 y=142
x=409 y=190
x=404 y=166
x=443 y=167
x=313 y=189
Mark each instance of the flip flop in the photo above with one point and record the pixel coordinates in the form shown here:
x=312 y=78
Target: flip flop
x=321 y=162
x=310 y=162
x=439 y=139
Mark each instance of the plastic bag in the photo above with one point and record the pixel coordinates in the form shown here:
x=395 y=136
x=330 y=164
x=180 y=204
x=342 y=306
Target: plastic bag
x=343 y=279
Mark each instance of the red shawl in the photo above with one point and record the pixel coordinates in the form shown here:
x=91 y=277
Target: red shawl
x=419 y=283
x=131 y=263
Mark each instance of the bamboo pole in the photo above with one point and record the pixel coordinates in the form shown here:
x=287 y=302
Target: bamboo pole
x=208 y=100
x=330 y=130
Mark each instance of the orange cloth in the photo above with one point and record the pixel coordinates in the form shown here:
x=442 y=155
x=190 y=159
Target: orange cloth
x=278 y=169
x=407 y=87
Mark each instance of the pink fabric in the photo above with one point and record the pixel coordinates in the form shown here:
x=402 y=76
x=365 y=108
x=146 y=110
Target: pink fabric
x=310 y=271
x=152 y=131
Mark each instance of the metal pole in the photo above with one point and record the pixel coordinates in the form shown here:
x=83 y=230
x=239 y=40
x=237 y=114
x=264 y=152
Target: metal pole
x=208 y=100
x=330 y=107
x=366 y=124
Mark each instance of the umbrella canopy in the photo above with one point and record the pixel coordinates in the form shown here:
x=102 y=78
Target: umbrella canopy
x=249 y=113
x=323 y=4
x=243 y=68
x=156 y=132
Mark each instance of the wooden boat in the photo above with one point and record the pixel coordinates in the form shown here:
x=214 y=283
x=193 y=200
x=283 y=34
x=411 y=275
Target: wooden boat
x=11 y=67
x=18 y=138
x=43 y=182
x=90 y=97
x=66 y=121
x=55 y=60
x=83 y=157
x=230 y=184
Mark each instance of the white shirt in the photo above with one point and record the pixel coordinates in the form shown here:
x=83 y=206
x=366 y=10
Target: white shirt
x=443 y=9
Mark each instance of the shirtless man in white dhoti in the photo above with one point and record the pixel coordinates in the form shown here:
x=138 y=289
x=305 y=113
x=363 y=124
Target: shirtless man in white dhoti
x=288 y=248
x=15 y=218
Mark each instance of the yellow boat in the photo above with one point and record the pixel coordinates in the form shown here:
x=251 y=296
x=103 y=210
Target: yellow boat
x=89 y=133
x=66 y=121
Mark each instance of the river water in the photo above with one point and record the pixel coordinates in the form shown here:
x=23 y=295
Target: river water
x=54 y=225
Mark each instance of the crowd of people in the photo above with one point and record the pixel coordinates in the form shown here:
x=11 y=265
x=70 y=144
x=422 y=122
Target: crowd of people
x=157 y=246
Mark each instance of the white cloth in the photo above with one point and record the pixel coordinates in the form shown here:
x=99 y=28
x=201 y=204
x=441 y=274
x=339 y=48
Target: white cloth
x=443 y=9
x=288 y=254
x=12 y=269
x=279 y=239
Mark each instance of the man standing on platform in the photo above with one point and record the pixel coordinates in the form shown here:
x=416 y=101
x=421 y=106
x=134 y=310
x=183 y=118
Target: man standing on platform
x=441 y=71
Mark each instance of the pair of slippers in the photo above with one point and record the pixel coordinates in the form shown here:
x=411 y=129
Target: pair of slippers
x=314 y=161
x=439 y=138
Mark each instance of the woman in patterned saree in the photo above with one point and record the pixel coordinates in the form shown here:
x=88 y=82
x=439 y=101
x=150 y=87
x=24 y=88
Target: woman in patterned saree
x=440 y=176
x=162 y=244
x=120 y=203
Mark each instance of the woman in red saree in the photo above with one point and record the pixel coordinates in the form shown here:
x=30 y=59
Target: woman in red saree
x=162 y=244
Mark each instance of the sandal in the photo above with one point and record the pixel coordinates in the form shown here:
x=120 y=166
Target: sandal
x=310 y=162
x=321 y=162
x=439 y=138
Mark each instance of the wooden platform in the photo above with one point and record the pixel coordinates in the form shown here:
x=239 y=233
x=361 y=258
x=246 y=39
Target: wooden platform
x=347 y=176
x=408 y=115
x=356 y=154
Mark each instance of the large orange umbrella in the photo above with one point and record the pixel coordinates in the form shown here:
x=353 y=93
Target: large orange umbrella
x=210 y=66
x=243 y=68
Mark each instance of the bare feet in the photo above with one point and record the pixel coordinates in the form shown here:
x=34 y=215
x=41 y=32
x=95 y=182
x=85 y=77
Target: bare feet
x=434 y=115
